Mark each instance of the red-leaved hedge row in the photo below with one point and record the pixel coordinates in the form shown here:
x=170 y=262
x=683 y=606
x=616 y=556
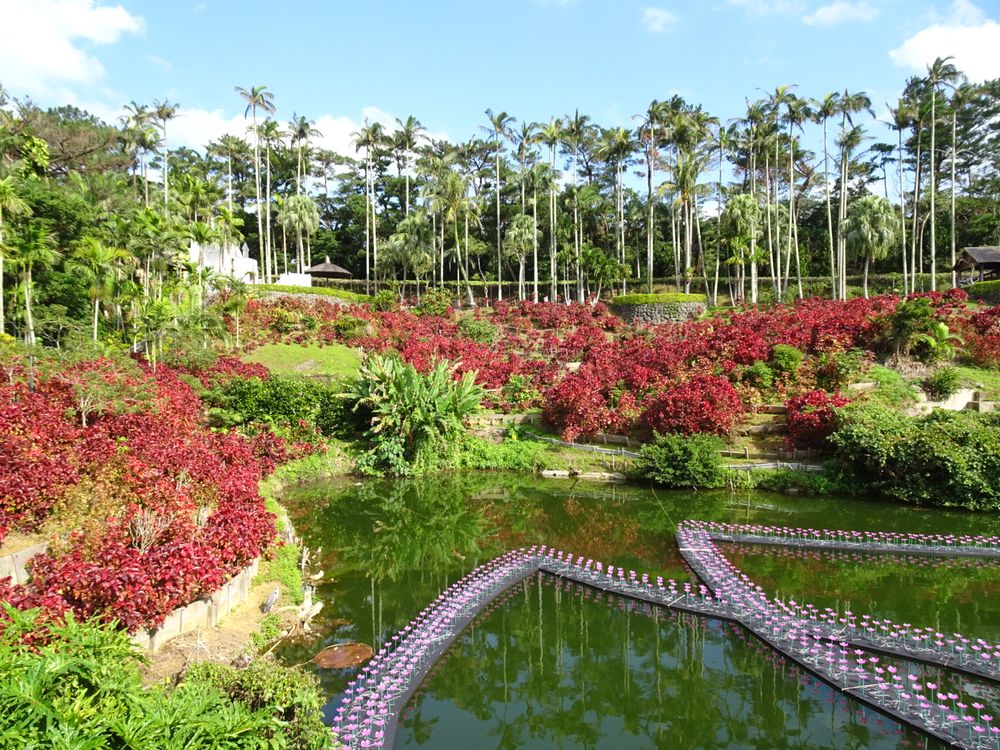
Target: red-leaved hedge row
x=184 y=512
x=677 y=377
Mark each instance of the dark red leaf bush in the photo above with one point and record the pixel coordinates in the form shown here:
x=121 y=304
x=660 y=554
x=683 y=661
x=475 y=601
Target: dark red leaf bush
x=811 y=419
x=703 y=404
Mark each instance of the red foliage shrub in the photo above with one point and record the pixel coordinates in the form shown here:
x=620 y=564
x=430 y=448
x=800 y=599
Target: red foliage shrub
x=169 y=466
x=705 y=403
x=40 y=457
x=811 y=419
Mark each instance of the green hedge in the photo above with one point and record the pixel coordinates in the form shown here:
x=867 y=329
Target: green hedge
x=657 y=299
x=985 y=289
x=322 y=291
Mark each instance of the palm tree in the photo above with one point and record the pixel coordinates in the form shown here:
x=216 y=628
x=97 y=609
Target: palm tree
x=155 y=319
x=521 y=236
x=162 y=112
x=35 y=247
x=410 y=246
x=370 y=137
x=576 y=127
x=237 y=295
x=453 y=199
x=301 y=131
x=500 y=124
x=98 y=264
x=271 y=134
x=141 y=138
x=850 y=105
x=300 y=215
x=12 y=205
x=870 y=230
x=941 y=71
x=550 y=134
x=257 y=97
x=962 y=96
x=406 y=138
x=616 y=148
x=902 y=117
x=822 y=110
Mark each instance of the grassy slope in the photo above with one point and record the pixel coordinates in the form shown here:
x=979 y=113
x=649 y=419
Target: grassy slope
x=332 y=360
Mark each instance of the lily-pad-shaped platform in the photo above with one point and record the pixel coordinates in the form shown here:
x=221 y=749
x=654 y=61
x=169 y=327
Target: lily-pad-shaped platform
x=846 y=652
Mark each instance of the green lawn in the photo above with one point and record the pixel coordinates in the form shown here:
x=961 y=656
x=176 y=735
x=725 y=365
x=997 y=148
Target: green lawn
x=332 y=360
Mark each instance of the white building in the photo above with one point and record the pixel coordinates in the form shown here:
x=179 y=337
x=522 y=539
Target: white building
x=226 y=260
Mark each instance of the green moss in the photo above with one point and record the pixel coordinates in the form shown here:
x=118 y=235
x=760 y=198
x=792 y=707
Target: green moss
x=323 y=291
x=657 y=299
x=330 y=360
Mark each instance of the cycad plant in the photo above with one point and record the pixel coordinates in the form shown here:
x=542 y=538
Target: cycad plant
x=412 y=419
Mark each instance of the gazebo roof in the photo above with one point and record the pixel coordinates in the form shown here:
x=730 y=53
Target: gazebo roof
x=978 y=257
x=328 y=270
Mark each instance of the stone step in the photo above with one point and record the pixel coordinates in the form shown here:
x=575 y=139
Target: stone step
x=772 y=409
x=770 y=428
x=982 y=407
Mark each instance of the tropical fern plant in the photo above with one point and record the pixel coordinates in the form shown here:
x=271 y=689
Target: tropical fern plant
x=412 y=419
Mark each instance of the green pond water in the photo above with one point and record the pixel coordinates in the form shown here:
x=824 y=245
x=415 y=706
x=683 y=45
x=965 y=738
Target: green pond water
x=554 y=668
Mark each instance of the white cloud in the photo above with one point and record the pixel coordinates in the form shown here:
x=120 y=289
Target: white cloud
x=966 y=34
x=41 y=55
x=164 y=65
x=656 y=20
x=840 y=12
x=767 y=7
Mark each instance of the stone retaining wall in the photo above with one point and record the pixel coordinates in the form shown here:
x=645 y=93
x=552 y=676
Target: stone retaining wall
x=660 y=312
x=205 y=612
x=202 y=613
x=14 y=566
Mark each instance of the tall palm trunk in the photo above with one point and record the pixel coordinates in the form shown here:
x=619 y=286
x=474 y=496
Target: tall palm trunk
x=754 y=293
x=651 y=219
x=28 y=317
x=954 y=144
x=902 y=215
x=166 y=172
x=933 y=176
x=256 y=174
x=534 y=242
x=499 y=251
x=553 y=240
x=916 y=210
x=269 y=265
x=829 y=211
x=368 y=205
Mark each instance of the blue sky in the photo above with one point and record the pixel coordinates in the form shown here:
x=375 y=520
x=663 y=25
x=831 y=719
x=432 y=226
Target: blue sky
x=445 y=61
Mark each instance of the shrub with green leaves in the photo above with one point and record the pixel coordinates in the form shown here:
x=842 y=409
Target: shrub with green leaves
x=787 y=360
x=479 y=330
x=280 y=400
x=835 y=370
x=413 y=419
x=436 y=302
x=945 y=458
x=942 y=383
x=385 y=300
x=349 y=327
x=758 y=375
x=682 y=461
x=77 y=685
x=510 y=455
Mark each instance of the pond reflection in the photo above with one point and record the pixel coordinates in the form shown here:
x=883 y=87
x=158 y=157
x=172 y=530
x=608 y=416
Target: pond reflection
x=556 y=665
x=390 y=547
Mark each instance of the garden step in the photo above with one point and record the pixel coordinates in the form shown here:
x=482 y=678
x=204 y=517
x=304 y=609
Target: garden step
x=982 y=407
x=771 y=428
x=773 y=409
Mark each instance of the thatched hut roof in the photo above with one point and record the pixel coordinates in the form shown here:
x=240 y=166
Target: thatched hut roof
x=328 y=270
